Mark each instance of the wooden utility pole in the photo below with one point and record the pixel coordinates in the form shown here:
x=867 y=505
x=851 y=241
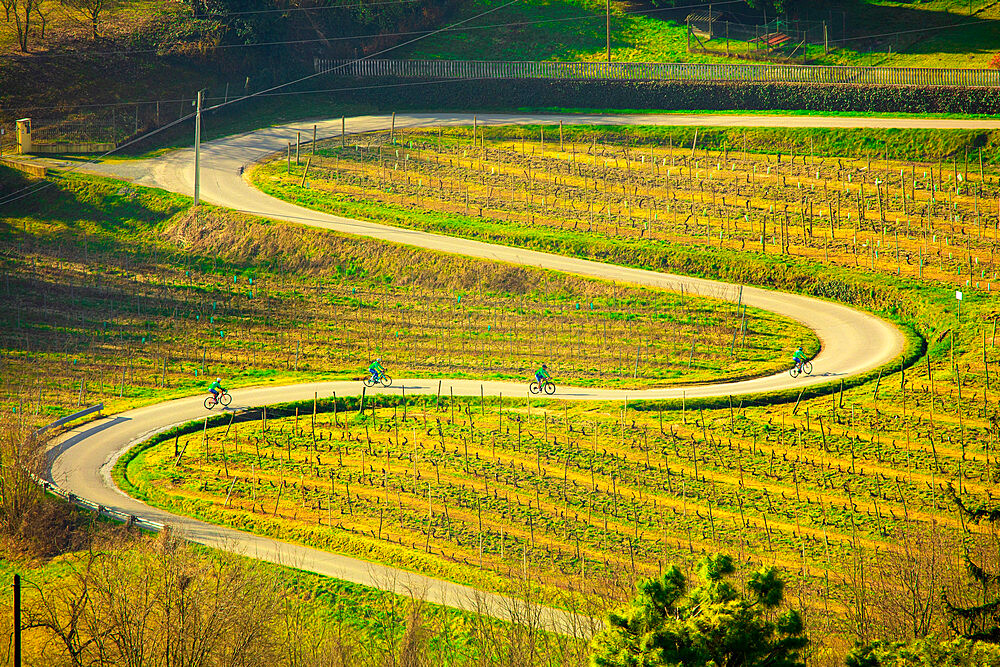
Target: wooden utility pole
x=17 y=620
x=197 y=148
x=608 y=29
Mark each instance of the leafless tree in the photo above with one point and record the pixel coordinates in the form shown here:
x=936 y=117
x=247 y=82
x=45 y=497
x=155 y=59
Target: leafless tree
x=132 y=604
x=22 y=11
x=897 y=591
x=20 y=455
x=91 y=11
x=61 y=613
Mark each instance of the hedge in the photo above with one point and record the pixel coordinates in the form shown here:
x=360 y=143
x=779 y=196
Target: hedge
x=721 y=96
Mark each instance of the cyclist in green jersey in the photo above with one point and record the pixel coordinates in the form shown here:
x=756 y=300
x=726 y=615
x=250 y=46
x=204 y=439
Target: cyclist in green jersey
x=376 y=369
x=542 y=374
x=799 y=357
x=216 y=388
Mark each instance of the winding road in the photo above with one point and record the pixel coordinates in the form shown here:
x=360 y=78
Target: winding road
x=81 y=459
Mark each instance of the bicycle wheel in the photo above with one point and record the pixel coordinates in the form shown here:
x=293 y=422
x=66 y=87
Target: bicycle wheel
x=386 y=380
x=368 y=381
x=534 y=388
x=225 y=399
x=210 y=403
x=550 y=388
x=794 y=371
x=807 y=368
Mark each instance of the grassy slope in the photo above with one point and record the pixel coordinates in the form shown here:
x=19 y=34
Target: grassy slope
x=575 y=30
x=200 y=284
x=638 y=251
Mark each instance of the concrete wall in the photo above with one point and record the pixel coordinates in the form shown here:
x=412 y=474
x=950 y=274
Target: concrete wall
x=31 y=169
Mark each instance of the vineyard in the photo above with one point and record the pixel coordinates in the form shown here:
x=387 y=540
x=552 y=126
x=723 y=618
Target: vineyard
x=853 y=493
x=933 y=219
x=586 y=498
x=154 y=309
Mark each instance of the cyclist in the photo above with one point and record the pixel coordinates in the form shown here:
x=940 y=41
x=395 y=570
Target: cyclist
x=376 y=369
x=799 y=358
x=541 y=375
x=216 y=388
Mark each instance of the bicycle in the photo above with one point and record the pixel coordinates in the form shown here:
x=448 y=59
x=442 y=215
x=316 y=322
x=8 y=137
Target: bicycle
x=547 y=386
x=798 y=369
x=383 y=379
x=224 y=398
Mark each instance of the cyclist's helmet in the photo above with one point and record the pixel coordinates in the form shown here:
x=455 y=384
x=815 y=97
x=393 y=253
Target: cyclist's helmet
x=545 y=367
x=218 y=379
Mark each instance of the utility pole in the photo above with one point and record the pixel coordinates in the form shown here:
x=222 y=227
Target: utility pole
x=17 y=620
x=197 y=148
x=608 y=31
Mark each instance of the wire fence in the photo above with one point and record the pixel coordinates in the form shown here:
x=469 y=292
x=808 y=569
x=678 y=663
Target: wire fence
x=741 y=72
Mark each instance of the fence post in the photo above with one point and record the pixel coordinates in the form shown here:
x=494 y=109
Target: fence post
x=826 y=40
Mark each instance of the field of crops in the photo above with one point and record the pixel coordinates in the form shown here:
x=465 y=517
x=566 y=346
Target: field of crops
x=853 y=493
x=934 y=220
x=152 y=306
x=590 y=497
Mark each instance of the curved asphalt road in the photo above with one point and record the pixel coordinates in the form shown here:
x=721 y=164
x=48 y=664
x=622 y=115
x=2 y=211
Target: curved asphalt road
x=81 y=460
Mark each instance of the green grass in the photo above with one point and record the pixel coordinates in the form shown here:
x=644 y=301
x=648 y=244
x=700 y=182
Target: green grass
x=575 y=30
x=558 y=30
x=207 y=298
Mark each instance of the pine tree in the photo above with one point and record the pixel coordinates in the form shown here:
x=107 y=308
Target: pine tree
x=712 y=624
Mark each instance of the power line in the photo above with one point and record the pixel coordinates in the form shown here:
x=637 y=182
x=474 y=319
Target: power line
x=423 y=33
x=24 y=192
x=128 y=103
x=367 y=57
x=32 y=189
x=907 y=32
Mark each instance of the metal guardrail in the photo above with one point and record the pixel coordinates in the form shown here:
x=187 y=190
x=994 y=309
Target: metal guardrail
x=54 y=489
x=127 y=519
x=724 y=72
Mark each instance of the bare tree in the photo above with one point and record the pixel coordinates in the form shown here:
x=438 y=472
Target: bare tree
x=62 y=614
x=906 y=582
x=131 y=604
x=43 y=13
x=23 y=11
x=20 y=454
x=91 y=11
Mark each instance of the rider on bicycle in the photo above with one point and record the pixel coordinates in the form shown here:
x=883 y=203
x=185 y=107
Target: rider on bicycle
x=376 y=369
x=799 y=357
x=542 y=374
x=216 y=388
